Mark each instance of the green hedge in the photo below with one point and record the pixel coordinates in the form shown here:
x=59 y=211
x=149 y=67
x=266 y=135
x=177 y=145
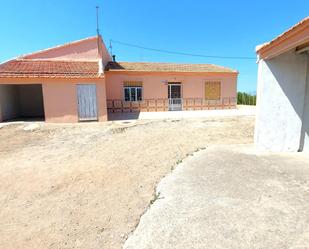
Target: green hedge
x=246 y=98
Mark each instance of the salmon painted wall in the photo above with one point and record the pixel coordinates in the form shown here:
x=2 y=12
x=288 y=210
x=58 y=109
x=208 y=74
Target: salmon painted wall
x=82 y=50
x=60 y=97
x=193 y=85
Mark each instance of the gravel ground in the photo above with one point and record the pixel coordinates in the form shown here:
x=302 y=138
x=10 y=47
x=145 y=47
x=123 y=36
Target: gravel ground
x=87 y=185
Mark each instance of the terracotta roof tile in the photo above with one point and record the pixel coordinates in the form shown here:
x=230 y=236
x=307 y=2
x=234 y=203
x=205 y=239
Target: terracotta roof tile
x=165 y=67
x=49 y=69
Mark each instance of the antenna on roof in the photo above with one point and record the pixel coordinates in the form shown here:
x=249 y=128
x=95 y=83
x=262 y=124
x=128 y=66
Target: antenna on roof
x=111 y=47
x=98 y=29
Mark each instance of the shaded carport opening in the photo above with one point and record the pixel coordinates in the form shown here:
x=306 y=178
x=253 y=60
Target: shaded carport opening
x=21 y=102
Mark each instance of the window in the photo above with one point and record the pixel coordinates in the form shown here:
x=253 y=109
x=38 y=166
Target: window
x=133 y=90
x=212 y=90
x=133 y=93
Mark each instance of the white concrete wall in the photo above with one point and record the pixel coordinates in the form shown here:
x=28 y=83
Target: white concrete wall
x=305 y=128
x=280 y=102
x=9 y=104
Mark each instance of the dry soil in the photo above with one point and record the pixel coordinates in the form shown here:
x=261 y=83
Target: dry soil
x=86 y=185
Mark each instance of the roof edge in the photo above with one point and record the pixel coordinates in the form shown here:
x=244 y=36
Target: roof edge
x=57 y=47
x=173 y=72
x=56 y=77
x=42 y=73
x=291 y=32
x=54 y=60
x=170 y=63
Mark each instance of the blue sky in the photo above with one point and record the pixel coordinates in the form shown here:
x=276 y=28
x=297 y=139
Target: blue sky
x=223 y=28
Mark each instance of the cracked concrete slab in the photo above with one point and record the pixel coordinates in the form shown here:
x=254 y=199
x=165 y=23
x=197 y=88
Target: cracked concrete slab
x=227 y=197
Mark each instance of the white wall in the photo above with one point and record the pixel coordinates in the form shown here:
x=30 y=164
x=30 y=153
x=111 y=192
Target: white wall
x=305 y=128
x=280 y=102
x=9 y=104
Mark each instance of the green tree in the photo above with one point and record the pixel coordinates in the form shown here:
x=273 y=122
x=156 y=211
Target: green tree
x=244 y=98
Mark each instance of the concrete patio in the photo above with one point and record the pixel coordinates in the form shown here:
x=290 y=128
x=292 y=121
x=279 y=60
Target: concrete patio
x=229 y=197
x=240 y=111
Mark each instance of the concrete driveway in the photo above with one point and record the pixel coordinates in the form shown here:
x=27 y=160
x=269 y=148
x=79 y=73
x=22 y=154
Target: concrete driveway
x=227 y=197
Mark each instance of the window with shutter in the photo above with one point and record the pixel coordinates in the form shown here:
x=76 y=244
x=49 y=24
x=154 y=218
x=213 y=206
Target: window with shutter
x=133 y=90
x=212 y=90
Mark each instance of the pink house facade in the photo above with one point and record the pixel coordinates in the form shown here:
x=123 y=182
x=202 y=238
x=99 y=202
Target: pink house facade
x=80 y=81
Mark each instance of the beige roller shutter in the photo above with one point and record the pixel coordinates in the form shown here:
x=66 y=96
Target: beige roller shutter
x=212 y=90
x=133 y=83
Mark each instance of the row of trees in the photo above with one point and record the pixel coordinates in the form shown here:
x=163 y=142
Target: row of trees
x=244 y=98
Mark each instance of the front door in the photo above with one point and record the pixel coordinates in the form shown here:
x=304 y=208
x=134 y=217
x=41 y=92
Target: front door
x=87 y=102
x=174 y=97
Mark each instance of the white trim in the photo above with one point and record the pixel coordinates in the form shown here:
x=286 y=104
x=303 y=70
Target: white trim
x=101 y=67
x=130 y=89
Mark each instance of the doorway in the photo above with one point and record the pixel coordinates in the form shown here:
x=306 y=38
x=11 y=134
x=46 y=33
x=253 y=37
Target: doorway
x=174 y=96
x=87 y=102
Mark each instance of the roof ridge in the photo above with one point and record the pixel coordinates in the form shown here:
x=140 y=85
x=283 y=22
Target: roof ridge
x=172 y=63
x=148 y=62
x=58 y=46
x=53 y=60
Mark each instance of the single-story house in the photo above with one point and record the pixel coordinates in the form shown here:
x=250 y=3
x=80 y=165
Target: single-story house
x=81 y=81
x=282 y=122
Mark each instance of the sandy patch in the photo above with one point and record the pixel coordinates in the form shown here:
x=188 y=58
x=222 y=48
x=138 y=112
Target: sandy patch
x=86 y=185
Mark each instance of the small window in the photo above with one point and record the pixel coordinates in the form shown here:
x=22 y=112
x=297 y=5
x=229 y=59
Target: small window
x=212 y=90
x=132 y=93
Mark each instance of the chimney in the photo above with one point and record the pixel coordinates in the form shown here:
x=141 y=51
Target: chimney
x=114 y=58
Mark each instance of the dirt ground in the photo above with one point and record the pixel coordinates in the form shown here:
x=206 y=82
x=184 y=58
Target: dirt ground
x=87 y=185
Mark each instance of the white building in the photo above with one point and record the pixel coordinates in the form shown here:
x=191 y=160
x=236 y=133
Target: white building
x=282 y=122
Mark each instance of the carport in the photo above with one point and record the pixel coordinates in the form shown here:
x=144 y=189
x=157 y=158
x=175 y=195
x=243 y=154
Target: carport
x=21 y=101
